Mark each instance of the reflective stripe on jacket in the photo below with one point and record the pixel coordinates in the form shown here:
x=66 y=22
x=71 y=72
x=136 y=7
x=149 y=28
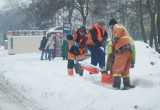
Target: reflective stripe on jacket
x=119 y=31
x=100 y=34
x=133 y=50
x=77 y=52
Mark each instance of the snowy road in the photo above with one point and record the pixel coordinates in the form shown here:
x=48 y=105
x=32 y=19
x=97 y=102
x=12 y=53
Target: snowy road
x=10 y=99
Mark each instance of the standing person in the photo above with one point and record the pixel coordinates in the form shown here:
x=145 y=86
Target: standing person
x=77 y=47
x=64 y=50
x=96 y=43
x=124 y=54
x=47 y=49
x=42 y=47
x=51 y=46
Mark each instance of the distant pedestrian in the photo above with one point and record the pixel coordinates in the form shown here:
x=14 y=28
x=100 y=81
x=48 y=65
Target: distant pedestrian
x=64 y=50
x=51 y=46
x=42 y=47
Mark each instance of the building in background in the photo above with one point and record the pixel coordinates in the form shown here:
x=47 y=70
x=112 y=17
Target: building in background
x=28 y=41
x=24 y=41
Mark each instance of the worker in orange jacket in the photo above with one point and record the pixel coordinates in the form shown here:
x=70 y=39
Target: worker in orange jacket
x=121 y=47
x=77 y=47
x=97 y=37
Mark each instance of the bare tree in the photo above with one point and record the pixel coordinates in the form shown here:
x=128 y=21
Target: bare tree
x=83 y=7
x=158 y=21
x=70 y=7
x=12 y=16
x=141 y=20
x=152 y=12
x=130 y=10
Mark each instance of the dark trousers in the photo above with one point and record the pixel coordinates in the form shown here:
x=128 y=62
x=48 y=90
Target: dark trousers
x=76 y=66
x=65 y=57
x=44 y=52
x=70 y=64
x=97 y=56
x=51 y=54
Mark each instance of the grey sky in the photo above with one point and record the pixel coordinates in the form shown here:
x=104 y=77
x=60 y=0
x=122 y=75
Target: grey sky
x=2 y=2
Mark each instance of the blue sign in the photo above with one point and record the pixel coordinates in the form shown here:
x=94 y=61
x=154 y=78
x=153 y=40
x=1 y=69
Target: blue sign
x=67 y=28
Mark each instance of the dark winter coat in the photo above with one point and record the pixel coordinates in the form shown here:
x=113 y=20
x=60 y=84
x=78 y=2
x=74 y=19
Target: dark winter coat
x=43 y=43
x=64 y=48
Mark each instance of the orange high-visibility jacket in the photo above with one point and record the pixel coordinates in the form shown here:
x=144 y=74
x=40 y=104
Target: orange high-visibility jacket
x=120 y=31
x=74 y=52
x=99 y=37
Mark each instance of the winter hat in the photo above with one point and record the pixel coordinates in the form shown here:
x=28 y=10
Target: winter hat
x=44 y=37
x=112 y=21
x=101 y=22
x=82 y=29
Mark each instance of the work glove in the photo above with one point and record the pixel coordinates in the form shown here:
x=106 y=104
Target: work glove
x=115 y=39
x=76 y=44
x=76 y=51
x=132 y=65
x=69 y=37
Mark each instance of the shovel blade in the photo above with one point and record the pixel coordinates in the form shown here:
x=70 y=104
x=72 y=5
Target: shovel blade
x=78 y=69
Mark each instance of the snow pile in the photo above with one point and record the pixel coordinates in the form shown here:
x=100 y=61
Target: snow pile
x=46 y=84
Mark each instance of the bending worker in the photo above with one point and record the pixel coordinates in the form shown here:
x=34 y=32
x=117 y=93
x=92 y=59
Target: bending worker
x=97 y=37
x=77 y=47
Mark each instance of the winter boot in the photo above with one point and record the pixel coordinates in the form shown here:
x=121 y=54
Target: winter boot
x=127 y=84
x=117 y=82
x=81 y=72
x=70 y=72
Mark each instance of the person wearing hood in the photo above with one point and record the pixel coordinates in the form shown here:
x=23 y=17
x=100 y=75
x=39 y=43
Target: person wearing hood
x=42 y=47
x=64 y=50
x=51 y=46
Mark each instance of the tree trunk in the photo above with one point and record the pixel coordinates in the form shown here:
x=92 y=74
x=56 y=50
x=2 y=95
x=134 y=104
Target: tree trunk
x=84 y=21
x=153 y=32
x=158 y=21
x=141 y=22
x=153 y=26
x=84 y=18
x=70 y=15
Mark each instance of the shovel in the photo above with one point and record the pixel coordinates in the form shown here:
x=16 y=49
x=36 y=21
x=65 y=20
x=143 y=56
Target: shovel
x=105 y=76
x=78 y=68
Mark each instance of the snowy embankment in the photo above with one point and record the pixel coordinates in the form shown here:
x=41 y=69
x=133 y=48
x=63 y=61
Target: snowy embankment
x=47 y=85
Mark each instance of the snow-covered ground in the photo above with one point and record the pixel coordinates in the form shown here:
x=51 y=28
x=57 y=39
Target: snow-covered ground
x=44 y=85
